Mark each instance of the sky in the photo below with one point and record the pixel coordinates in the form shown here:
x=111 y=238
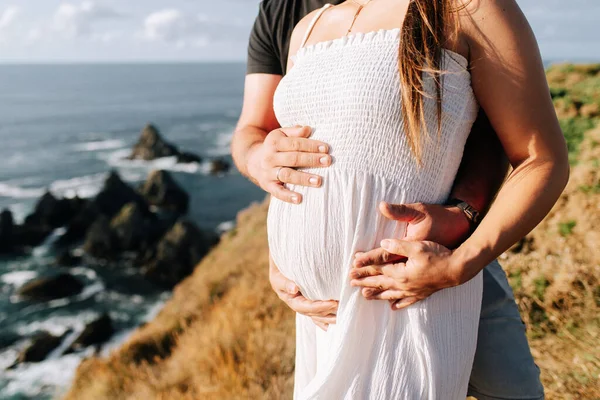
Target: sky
x=34 y=31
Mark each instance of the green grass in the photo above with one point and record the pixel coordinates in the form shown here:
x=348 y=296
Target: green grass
x=574 y=130
x=566 y=228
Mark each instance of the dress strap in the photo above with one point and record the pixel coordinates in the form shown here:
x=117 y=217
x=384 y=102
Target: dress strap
x=313 y=22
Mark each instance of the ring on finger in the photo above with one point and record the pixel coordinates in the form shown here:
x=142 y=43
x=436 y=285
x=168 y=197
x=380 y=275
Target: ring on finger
x=277 y=175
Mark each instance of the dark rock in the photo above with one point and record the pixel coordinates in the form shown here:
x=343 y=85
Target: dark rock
x=177 y=253
x=186 y=158
x=52 y=212
x=100 y=241
x=151 y=145
x=219 y=166
x=6 y=231
x=66 y=258
x=115 y=194
x=95 y=333
x=30 y=235
x=41 y=345
x=79 y=225
x=161 y=190
x=49 y=288
x=131 y=227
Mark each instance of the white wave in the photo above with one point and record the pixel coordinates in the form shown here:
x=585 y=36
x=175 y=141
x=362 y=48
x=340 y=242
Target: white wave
x=43 y=249
x=222 y=144
x=86 y=186
x=18 y=278
x=119 y=159
x=90 y=290
x=87 y=272
x=57 y=325
x=45 y=377
x=16 y=192
x=225 y=227
x=108 y=144
x=81 y=186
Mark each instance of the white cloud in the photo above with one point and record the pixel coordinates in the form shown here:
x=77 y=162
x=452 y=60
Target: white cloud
x=172 y=26
x=8 y=16
x=78 y=20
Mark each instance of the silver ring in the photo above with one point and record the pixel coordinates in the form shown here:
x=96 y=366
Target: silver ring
x=277 y=176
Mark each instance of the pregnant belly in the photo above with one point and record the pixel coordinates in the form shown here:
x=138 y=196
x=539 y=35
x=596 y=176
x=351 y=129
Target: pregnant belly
x=313 y=243
x=306 y=244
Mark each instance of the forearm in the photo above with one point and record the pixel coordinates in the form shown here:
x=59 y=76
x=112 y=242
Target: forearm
x=525 y=199
x=483 y=168
x=245 y=139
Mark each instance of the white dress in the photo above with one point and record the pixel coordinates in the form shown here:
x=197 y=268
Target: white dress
x=348 y=91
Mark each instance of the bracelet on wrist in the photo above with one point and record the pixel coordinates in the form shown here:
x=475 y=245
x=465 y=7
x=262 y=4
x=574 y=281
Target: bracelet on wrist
x=469 y=211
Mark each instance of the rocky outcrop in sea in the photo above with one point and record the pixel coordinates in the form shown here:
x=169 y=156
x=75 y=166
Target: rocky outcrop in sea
x=143 y=228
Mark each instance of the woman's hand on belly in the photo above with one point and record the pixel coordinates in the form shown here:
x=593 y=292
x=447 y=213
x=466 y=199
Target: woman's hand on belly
x=323 y=313
x=273 y=162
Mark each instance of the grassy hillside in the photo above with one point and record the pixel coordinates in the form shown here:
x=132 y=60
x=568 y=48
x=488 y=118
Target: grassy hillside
x=225 y=335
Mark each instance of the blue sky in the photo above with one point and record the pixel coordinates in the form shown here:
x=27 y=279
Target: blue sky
x=202 y=30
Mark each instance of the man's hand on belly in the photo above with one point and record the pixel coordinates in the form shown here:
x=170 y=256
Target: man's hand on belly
x=385 y=274
x=427 y=268
x=323 y=313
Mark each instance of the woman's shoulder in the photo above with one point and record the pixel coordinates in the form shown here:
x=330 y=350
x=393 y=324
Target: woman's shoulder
x=300 y=30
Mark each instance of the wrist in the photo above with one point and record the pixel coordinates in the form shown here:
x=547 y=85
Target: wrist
x=252 y=163
x=467 y=261
x=459 y=226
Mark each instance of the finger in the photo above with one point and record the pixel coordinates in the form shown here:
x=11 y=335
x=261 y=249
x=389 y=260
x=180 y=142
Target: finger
x=282 y=284
x=378 y=256
x=402 y=212
x=290 y=175
x=302 y=305
x=301 y=144
x=301 y=160
x=385 y=295
x=328 y=319
x=403 y=303
x=363 y=272
x=297 y=131
x=401 y=247
x=321 y=325
x=282 y=193
x=375 y=282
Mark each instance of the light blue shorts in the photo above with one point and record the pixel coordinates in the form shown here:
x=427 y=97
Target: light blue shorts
x=503 y=368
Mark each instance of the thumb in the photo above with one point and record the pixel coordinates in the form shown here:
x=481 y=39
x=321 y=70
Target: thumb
x=401 y=212
x=400 y=247
x=297 y=131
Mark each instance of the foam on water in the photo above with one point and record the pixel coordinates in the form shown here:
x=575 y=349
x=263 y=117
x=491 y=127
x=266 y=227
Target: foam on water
x=86 y=186
x=16 y=192
x=58 y=324
x=99 y=145
x=222 y=144
x=18 y=278
x=119 y=159
x=46 y=377
x=225 y=227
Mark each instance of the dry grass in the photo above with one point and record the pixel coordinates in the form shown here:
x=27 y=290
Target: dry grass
x=225 y=335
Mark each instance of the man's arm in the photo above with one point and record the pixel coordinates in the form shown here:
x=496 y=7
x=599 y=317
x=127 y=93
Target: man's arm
x=483 y=167
x=268 y=154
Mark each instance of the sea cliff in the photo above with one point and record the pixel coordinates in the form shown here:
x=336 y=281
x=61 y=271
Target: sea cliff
x=225 y=335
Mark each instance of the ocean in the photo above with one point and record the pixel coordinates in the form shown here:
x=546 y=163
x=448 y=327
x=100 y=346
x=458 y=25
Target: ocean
x=62 y=128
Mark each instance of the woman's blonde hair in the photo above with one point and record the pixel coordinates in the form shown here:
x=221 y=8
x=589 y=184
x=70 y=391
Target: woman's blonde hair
x=422 y=41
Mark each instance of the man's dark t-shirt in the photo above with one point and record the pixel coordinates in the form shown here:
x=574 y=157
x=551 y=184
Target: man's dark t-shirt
x=270 y=37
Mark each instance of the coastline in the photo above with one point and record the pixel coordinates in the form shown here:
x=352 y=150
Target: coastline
x=225 y=334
